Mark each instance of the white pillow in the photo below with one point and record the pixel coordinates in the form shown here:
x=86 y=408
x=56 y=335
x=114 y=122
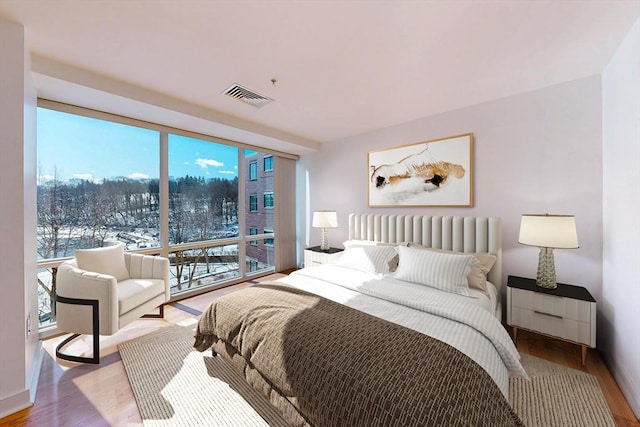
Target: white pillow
x=108 y=260
x=393 y=262
x=477 y=277
x=369 y=259
x=444 y=271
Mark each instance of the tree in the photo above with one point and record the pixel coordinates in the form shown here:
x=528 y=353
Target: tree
x=54 y=217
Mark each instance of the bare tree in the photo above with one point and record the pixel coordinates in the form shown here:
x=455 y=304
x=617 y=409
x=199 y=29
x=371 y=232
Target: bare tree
x=56 y=217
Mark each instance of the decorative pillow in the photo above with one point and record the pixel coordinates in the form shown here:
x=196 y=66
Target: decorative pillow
x=393 y=262
x=368 y=258
x=447 y=272
x=108 y=260
x=477 y=277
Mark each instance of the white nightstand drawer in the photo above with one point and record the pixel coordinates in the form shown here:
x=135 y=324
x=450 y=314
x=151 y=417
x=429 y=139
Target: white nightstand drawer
x=314 y=258
x=557 y=326
x=549 y=304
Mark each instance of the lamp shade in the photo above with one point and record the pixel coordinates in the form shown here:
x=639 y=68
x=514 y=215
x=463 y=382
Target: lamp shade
x=325 y=219
x=548 y=231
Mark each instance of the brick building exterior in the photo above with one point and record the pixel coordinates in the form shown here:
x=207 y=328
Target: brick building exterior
x=259 y=203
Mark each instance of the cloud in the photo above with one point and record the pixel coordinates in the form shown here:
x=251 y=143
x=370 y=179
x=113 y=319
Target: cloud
x=44 y=178
x=227 y=172
x=205 y=163
x=139 y=175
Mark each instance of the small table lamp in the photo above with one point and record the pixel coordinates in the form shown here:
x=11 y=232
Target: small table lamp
x=324 y=220
x=548 y=232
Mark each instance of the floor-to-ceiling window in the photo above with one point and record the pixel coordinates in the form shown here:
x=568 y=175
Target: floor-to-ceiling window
x=259 y=202
x=207 y=205
x=98 y=183
x=203 y=207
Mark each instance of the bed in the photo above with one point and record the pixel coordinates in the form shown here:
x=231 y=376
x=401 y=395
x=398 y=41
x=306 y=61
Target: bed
x=402 y=330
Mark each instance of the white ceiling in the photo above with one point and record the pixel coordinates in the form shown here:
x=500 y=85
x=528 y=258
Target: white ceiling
x=342 y=67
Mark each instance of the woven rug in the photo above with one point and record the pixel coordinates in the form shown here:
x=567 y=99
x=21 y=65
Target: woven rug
x=175 y=385
x=558 y=396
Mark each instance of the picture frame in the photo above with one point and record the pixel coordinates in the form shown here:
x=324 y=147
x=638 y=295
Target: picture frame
x=435 y=173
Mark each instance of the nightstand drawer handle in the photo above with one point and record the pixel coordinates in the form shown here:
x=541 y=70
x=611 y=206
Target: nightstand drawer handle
x=547 y=314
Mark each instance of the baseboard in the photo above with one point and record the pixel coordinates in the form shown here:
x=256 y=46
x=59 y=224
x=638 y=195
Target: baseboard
x=14 y=403
x=631 y=391
x=25 y=398
x=36 y=367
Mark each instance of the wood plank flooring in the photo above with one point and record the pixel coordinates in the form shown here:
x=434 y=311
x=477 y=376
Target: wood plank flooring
x=71 y=394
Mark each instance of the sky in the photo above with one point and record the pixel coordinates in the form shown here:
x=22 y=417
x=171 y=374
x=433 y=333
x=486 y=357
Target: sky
x=72 y=146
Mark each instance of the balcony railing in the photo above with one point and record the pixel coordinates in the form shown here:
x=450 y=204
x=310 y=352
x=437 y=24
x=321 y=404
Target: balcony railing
x=194 y=268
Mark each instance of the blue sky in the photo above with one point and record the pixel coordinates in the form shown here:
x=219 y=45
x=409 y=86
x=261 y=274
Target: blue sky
x=80 y=147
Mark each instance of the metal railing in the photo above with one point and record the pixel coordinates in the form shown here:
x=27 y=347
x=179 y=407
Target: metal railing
x=195 y=267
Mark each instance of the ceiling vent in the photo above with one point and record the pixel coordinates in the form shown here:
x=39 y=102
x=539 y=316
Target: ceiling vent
x=248 y=96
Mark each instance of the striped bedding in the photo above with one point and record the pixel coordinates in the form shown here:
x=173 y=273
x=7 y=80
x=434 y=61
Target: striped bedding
x=454 y=319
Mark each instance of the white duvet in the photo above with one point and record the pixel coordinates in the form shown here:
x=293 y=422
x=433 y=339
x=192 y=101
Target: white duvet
x=457 y=320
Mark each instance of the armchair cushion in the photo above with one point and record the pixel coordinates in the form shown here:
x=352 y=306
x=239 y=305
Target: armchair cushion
x=135 y=292
x=108 y=260
x=73 y=282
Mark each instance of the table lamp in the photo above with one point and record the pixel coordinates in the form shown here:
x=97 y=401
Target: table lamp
x=548 y=232
x=324 y=220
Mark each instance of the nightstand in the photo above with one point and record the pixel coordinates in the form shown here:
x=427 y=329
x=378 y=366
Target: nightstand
x=567 y=312
x=315 y=256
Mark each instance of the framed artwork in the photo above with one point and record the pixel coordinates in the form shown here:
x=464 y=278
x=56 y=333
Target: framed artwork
x=431 y=173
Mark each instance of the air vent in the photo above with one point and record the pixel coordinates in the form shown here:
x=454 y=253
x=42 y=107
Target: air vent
x=246 y=95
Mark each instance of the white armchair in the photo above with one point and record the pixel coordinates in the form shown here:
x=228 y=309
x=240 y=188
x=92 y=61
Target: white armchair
x=101 y=290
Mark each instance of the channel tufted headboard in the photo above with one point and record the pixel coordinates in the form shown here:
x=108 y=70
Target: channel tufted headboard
x=456 y=233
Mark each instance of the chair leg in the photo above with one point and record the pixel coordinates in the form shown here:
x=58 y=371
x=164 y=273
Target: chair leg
x=160 y=315
x=95 y=328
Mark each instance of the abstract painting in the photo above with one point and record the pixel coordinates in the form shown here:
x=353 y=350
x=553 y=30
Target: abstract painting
x=432 y=173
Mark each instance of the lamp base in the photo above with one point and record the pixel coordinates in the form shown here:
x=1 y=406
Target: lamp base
x=546 y=277
x=324 y=244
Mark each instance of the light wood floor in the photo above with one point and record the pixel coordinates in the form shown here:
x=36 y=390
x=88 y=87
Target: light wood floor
x=71 y=394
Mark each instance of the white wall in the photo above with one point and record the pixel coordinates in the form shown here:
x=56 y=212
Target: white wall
x=534 y=153
x=17 y=222
x=621 y=216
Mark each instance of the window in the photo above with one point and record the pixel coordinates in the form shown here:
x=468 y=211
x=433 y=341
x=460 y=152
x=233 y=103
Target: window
x=253 y=203
x=203 y=190
x=203 y=267
x=268 y=163
x=253 y=171
x=97 y=183
x=260 y=249
x=101 y=181
x=253 y=232
x=263 y=254
x=268 y=241
x=268 y=200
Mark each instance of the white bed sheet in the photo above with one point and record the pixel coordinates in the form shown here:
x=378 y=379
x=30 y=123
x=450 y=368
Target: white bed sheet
x=432 y=312
x=488 y=301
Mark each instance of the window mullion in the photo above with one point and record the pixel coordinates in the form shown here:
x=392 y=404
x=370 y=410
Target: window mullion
x=242 y=230
x=164 y=193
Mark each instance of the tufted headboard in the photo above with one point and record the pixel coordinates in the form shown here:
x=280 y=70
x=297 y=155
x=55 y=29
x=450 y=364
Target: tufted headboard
x=456 y=233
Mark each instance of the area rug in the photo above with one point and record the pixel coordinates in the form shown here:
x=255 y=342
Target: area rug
x=175 y=385
x=558 y=396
